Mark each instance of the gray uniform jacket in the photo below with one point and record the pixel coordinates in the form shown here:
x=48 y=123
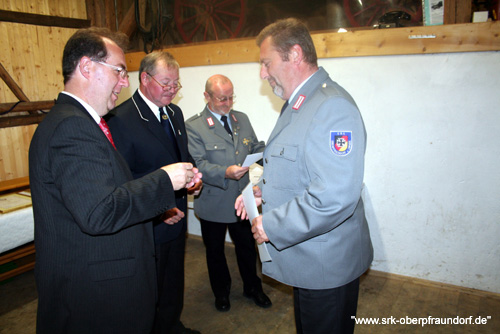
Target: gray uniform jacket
x=311 y=189
x=213 y=150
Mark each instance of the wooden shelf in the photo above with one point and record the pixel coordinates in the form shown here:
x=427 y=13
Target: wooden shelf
x=468 y=37
x=20 y=182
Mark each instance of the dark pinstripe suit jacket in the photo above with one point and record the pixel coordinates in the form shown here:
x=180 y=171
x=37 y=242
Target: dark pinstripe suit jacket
x=95 y=267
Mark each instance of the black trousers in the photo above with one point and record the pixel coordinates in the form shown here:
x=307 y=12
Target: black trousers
x=170 y=276
x=328 y=311
x=214 y=235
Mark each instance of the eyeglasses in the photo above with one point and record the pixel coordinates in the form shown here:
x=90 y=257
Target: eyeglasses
x=175 y=87
x=120 y=70
x=224 y=98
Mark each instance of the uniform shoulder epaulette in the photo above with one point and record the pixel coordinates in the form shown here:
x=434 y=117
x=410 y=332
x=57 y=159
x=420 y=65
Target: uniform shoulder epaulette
x=192 y=118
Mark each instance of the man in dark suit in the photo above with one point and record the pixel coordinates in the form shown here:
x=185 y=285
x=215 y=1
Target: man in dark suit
x=149 y=132
x=95 y=269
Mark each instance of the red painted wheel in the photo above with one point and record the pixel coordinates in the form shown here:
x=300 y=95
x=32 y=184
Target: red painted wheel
x=205 y=20
x=367 y=13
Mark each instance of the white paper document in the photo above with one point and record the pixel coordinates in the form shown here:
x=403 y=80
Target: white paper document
x=251 y=158
x=252 y=212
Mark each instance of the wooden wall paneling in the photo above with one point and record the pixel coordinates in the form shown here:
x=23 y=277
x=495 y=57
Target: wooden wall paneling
x=32 y=56
x=6 y=94
x=78 y=9
x=449 y=12
x=62 y=8
x=21 y=41
x=54 y=54
x=42 y=62
x=110 y=13
x=4 y=152
x=463 y=11
x=128 y=24
x=40 y=7
x=90 y=12
x=36 y=67
x=14 y=145
x=102 y=13
x=11 y=5
x=49 y=57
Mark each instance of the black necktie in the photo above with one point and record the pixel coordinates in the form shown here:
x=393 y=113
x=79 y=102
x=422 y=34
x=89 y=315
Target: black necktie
x=226 y=125
x=170 y=132
x=284 y=107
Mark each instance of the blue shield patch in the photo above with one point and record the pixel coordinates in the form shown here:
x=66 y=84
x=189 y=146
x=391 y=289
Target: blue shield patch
x=341 y=142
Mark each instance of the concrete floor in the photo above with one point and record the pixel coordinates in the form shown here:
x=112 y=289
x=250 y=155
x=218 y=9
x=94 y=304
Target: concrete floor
x=379 y=297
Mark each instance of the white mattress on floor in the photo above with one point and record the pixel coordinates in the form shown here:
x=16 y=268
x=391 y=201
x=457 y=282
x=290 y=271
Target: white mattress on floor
x=16 y=229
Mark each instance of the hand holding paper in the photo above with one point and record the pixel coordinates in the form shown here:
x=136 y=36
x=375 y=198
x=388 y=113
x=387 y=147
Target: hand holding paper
x=253 y=214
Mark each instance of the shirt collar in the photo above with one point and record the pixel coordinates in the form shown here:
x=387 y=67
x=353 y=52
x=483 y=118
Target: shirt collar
x=87 y=107
x=154 y=108
x=299 y=87
x=218 y=116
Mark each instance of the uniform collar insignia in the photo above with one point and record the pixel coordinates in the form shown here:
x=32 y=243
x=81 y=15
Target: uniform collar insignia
x=299 y=102
x=210 y=122
x=234 y=118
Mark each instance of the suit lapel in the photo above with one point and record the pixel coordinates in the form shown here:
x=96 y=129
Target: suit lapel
x=67 y=99
x=178 y=129
x=153 y=125
x=281 y=123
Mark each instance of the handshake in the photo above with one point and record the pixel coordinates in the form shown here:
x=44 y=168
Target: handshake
x=183 y=175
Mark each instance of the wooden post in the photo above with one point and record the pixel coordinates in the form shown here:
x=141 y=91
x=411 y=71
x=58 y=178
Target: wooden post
x=459 y=11
x=14 y=87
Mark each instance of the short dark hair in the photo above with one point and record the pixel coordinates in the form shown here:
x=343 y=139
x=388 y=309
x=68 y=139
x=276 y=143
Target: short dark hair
x=89 y=42
x=285 y=34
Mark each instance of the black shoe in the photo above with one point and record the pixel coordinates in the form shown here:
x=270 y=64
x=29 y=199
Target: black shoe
x=222 y=304
x=259 y=297
x=190 y=331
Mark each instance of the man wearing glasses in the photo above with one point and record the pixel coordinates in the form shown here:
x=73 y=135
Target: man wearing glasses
x=95 y=270
x=219 y=140
x=149 y=131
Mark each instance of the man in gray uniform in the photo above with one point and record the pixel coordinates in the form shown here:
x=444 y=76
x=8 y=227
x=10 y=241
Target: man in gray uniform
x=219 y=139
x=313 y=216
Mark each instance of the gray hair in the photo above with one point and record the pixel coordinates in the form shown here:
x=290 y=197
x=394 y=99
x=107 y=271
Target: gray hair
x=151 y=61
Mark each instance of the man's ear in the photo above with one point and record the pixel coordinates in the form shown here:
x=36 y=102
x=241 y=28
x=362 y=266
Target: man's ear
x=296 y=54
x=144 y=78
x=84 y=66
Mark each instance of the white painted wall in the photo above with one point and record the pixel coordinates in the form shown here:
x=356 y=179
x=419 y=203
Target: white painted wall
x=432 y=174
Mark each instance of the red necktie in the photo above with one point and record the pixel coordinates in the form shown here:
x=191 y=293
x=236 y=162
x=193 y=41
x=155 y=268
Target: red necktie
x=104 y=127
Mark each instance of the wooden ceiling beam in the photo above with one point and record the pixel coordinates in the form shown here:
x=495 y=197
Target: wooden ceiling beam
x=26 y=106
x=11 y=121
x=102 y=13
x=42 y=20
x=128 y=24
